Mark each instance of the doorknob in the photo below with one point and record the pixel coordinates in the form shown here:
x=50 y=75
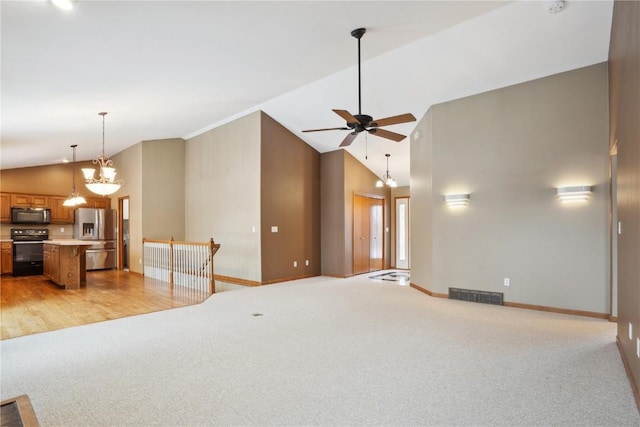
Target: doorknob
x=361 y=238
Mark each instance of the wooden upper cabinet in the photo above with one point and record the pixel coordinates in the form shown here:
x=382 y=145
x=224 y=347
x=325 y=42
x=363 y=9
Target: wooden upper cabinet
x=97 y=202
x=29 y=200
x=5 y=207
x=60 y=214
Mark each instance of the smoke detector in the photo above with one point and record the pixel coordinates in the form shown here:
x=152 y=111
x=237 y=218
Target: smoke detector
x=555 y=6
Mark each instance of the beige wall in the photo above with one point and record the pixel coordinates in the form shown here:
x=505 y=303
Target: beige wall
x=129 y=167
x=510 y=148
x=342 y=177
x=290 y=200
x=153 y=174
x=222 y=195
x=421 y=217
x=624 y=96
x=163 y=171
x=332 y=213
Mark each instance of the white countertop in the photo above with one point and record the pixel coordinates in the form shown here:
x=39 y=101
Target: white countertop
x=73 y=242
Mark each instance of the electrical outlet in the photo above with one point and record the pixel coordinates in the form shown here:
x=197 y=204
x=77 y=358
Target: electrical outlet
x=507 y=281
x=306 y=262
x=295 y=263
x=274 y=228
x=62 y=229
x=630 y=330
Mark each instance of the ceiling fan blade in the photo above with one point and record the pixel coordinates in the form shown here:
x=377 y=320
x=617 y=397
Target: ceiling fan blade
x=387 y=134
x=349 y=139
x=321 y=130
x=346 y=115
x=402 y=118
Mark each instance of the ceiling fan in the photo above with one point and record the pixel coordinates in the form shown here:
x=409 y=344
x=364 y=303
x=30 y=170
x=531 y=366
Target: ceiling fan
x=362 y=122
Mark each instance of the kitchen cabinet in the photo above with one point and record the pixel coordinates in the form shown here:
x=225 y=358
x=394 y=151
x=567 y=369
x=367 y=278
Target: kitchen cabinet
x=98 y=203
x=51 y=262
x=60 y=214
x=5 y=207
x=65 y=262
x=29 y=200
x=6 y=258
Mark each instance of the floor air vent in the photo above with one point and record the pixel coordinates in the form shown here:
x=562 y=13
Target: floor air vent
x=476 y=296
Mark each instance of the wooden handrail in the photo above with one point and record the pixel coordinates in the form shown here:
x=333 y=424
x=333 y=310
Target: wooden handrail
x=208 y=262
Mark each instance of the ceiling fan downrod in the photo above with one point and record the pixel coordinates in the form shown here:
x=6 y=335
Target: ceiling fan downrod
x=358 y=33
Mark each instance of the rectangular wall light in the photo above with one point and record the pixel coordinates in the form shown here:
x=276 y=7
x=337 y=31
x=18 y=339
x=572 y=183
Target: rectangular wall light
x=456 y=200
x=578 y=193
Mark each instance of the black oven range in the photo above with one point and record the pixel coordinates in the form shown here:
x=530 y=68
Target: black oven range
x=28 y=250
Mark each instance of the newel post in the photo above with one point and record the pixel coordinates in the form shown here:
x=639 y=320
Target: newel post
x=144 y=261
x=171 y=262
x=212 y=281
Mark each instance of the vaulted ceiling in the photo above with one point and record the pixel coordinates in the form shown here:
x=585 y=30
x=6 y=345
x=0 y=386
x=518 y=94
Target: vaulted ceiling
x=165 y=69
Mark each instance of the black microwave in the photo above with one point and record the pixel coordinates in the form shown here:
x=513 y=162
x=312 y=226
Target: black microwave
x=30 y=215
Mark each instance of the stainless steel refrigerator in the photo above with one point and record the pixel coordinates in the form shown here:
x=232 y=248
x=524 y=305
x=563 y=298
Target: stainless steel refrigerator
x=98 y=224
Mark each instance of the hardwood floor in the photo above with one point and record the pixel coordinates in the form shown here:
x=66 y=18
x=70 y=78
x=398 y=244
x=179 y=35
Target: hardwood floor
x=32 y=304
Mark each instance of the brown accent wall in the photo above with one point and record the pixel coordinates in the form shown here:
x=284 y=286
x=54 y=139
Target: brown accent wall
x=624 y=101
x=49 y=179
x=343 y=176
x=290 y=200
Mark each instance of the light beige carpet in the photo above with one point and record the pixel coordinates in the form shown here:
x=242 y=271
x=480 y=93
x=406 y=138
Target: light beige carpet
x=325 y=352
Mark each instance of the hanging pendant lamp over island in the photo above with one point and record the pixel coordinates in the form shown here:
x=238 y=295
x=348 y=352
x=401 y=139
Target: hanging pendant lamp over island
x=106 y=184
x=75 y=198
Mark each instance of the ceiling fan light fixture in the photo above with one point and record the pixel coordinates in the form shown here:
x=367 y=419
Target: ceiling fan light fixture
x=362 y=122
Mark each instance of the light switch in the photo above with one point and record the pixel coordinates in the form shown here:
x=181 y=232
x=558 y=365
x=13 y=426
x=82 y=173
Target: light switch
x=274 y=228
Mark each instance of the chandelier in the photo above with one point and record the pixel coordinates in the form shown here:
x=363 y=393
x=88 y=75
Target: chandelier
x=75 y=198
x=106 y=184
x=386 y=178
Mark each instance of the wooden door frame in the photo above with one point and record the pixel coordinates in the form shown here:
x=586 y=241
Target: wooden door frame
x=353 y=228
x=120 y=231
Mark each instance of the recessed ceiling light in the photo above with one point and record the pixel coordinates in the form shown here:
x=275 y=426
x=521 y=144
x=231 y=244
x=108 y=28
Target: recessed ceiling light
x=63 y=4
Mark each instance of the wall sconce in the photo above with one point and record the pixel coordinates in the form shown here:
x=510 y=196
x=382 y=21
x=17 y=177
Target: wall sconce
x=456 y=200
x=579 y=193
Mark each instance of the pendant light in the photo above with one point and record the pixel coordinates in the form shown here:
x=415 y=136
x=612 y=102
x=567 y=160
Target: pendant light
x=386 y=178
x=75 y=198
x=106 y=184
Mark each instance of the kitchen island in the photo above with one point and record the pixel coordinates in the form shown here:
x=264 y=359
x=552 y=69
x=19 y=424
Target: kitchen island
x=65 y=262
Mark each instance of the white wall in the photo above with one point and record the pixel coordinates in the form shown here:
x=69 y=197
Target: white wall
x=222 y=195
x=510 y=148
